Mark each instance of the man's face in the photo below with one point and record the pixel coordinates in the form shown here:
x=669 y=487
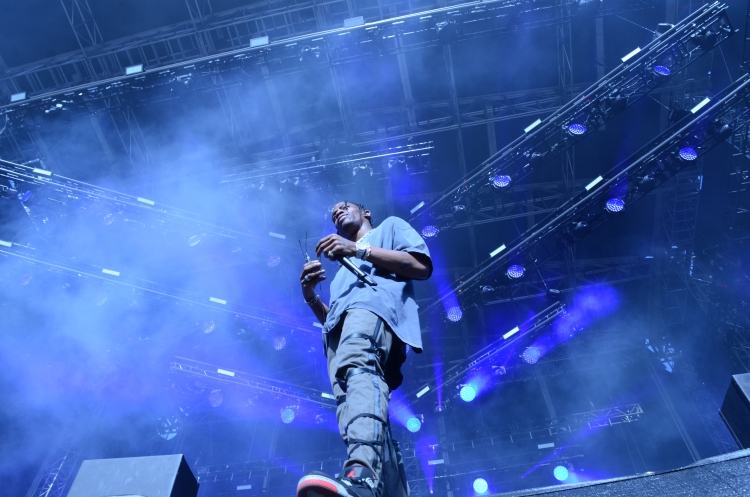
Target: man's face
x=346 y=215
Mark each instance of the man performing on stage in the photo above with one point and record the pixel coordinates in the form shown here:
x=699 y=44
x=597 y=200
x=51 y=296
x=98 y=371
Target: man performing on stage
x=366 y=331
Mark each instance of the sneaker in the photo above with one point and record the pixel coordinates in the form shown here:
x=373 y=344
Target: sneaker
x=356 y=481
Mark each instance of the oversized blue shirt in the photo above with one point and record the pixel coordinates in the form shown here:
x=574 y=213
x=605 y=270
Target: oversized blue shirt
x=393 y=298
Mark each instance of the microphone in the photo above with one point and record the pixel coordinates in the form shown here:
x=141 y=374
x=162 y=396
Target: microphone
x=356 y=271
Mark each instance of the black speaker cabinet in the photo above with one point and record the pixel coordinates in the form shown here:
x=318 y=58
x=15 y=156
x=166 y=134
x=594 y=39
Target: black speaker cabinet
x=157 y=476
x=736 y=409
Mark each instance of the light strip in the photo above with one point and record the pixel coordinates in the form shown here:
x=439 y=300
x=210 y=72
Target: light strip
x=109 y=271
x=17 y=97
x=225 y=372
x=42 y=171
x=259 y=42
x=545 y=446
x=218 y=301
x=244 y=487
x=497 y=250
x=276 y=235
x=423 y=391
x=631 y=54
x=327 y=395
x=435 y=461
x=594 y=183
x=417 y=207
x=6 y=244
x=700 y=105
x=318 y=325
x=511 y=333
x=133 y=69
x=532 y=126
x=146 y=201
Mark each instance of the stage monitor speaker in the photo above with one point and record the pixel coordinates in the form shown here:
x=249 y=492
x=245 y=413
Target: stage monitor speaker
x=736 y=409
x=155 y=476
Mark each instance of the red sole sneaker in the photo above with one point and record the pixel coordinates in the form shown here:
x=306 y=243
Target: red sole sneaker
x=320 y=486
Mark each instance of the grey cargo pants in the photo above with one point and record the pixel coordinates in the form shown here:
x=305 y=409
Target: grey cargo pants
x=364 y=361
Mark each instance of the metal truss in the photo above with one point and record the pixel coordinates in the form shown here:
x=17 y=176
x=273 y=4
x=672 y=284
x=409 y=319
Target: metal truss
x=57 y=469
x=666 y=55
x=52 y=263
x=288 y=28
x=272 y=388
x=648 y=168
x=85 y=29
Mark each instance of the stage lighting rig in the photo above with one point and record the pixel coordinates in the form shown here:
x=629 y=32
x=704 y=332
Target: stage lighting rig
x=641 y=71
x=143 y=81
x=490 y=358
x=270 y=387
x=651 y=166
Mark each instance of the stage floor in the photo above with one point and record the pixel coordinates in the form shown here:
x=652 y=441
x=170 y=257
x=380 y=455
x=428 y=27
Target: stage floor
x=725 y=475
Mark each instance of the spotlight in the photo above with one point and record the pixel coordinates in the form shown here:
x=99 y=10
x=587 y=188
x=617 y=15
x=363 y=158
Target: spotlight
x=561 y=473
x=273 y=260
x=101 y=299
x=467 y=393
x=515 y=272
x=460 y=212
x=287 y=415
x=26 y=279
x=108 y=219
x=279 y=342
x=215 y=398
x=480 y=486
x=531 y=355
x=576 y=129
x=614 y=205
x=501 y=181
x=688 y=154
x=430 y=231
x=413 y=424
x=194 y=240
x=208 y=327
x=706 y=41
x=662 y=71
x=455 y=314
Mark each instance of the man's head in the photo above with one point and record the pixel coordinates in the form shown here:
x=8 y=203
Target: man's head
x=349 y=217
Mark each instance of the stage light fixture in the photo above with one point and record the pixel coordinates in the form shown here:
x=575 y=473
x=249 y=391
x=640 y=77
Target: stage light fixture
x=25 y=196
x=273 y=260
x=662 y=71
x=208 y=327
x=287 y=415
x=413 y=424
x=577 y=129
x=430 y=231
x=215 y=398
x=501 y=181
x=688 y=154
x=279 y=342
x=561 y=473
x=614 y=205
x=480 y=486
x=455 y=314
x=515 y=272
x=194 y=240
x=467 y=393
x=531 y=355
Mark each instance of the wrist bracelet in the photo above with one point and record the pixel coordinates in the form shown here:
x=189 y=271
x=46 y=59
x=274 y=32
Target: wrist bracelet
x=313 y=300
x=366 y=254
